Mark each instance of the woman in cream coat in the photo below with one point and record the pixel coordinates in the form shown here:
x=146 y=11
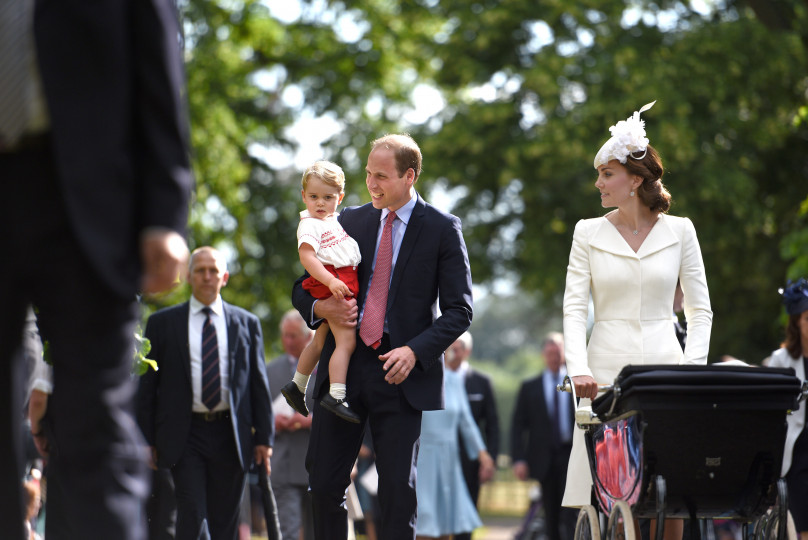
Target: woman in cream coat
x=630 y=261
x=794 y=354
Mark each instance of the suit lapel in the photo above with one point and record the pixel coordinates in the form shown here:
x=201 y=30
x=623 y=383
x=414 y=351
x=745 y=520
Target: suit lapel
x=182 y=321
x=232 y=337
x=660 y=237
x=607 y=238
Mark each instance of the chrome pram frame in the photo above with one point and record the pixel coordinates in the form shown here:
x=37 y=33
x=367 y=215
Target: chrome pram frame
x=698 y=442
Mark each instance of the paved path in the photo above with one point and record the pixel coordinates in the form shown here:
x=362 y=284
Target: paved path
x=498 y=528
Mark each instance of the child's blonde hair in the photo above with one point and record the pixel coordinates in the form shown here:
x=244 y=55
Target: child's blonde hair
x=328 y=172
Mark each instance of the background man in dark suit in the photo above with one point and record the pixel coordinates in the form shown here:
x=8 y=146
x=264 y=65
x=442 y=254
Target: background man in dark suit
x=396 y=371
x=290 y=481
x=95 y=175
x=541 y=437
x=483 y=408
x=199 y=418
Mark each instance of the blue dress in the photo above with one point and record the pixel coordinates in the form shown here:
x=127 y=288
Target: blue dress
x=444 y=503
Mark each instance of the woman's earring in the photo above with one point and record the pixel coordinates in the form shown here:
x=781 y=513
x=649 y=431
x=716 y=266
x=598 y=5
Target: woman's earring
x=631 y=194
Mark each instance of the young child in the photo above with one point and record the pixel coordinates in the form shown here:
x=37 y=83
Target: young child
x=330 y=257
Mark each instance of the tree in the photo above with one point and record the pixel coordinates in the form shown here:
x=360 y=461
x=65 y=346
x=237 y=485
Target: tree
x=530 y=90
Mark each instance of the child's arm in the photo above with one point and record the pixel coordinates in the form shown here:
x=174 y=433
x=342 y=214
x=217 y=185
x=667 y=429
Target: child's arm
x=316 y=269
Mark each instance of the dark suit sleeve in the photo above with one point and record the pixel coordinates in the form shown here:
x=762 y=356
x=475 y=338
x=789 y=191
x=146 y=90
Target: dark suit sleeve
x=148 y=385
x=263 y=419
x=454 y=296
x=161 y=148
x=491 y=418
x=520 y=425
x=303 y=301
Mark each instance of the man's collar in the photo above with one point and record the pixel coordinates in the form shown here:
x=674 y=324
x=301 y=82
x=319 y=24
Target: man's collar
x=404 y=212
x=217 y=307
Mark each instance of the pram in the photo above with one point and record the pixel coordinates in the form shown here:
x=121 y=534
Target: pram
x=688 y=441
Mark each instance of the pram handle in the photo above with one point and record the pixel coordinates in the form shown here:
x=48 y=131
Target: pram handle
x=567 y=386
x=583 y=414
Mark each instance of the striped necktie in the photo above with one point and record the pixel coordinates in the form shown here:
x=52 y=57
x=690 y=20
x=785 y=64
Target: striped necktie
x=211 y=378
x=376 y=303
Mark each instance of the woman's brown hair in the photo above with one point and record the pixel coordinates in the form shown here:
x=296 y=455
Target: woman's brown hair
x=652 y=191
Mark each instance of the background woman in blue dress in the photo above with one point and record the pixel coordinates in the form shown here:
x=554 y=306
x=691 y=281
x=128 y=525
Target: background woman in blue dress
x=445 y=507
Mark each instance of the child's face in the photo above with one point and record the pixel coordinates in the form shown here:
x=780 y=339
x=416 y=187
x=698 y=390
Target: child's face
x=320 y=198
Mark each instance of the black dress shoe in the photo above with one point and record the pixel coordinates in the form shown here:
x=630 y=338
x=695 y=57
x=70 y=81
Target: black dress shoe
x=340 y=407
x=295 y=398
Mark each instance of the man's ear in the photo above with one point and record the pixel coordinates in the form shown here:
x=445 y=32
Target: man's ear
x=225 y=278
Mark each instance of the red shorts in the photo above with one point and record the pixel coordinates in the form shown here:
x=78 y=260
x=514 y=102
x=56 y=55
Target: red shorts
x=346 y=274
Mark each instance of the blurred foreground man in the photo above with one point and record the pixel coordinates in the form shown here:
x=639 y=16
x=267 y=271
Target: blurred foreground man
x=95 y=175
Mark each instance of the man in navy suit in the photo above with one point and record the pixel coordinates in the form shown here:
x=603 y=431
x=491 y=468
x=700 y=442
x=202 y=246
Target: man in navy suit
x=541 y=437
x=96 y=180
x=483 y=405
x=207 y=439
x=396 y=375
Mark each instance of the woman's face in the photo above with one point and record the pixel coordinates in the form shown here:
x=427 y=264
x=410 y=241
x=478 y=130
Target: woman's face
x=615 y=184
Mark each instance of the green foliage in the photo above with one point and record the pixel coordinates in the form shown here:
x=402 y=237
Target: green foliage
x=141 y=362
x=530 y=91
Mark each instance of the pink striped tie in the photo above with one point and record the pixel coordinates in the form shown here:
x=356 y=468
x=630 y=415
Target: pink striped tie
x=376 y=302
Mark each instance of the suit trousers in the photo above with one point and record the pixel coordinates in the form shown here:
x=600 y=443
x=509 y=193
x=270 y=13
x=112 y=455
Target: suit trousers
x=209 y=482
x=98 y=451
x=334 y=446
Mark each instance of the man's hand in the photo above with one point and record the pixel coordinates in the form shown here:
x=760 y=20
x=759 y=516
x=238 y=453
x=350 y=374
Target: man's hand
x=165 y=259
x=262 y=455
x=341 y=312
x=398 y=364
x=520 y=470
x=291 y=423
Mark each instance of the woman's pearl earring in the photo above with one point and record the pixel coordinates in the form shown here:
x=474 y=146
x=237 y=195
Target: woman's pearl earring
x=631 y=194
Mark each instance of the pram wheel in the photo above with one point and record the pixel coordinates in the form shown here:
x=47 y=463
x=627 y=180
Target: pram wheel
x=621 y=522
x=587 y=526
x=776 y=523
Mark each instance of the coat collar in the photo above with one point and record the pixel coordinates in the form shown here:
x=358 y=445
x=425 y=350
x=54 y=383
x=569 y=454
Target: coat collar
x=607 y=238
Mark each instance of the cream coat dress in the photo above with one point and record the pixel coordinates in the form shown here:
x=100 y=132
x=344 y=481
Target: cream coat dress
x=632 y=294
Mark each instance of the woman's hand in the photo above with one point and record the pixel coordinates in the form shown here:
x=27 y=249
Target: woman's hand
x=585 y=386
x=487 y=467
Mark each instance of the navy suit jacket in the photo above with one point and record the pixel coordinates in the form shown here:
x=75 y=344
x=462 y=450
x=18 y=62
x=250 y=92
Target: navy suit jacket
x=165 y=396
x=532 y=431
x=432 y=259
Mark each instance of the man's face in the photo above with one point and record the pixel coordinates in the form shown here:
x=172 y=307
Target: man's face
x=387 y=189
x=457 y=353
x=208 y=276
x=293 y=338
x=553 y=356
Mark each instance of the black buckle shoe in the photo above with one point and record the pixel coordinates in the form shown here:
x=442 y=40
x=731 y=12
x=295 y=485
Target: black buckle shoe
x=295 y=398
x=341 y=408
